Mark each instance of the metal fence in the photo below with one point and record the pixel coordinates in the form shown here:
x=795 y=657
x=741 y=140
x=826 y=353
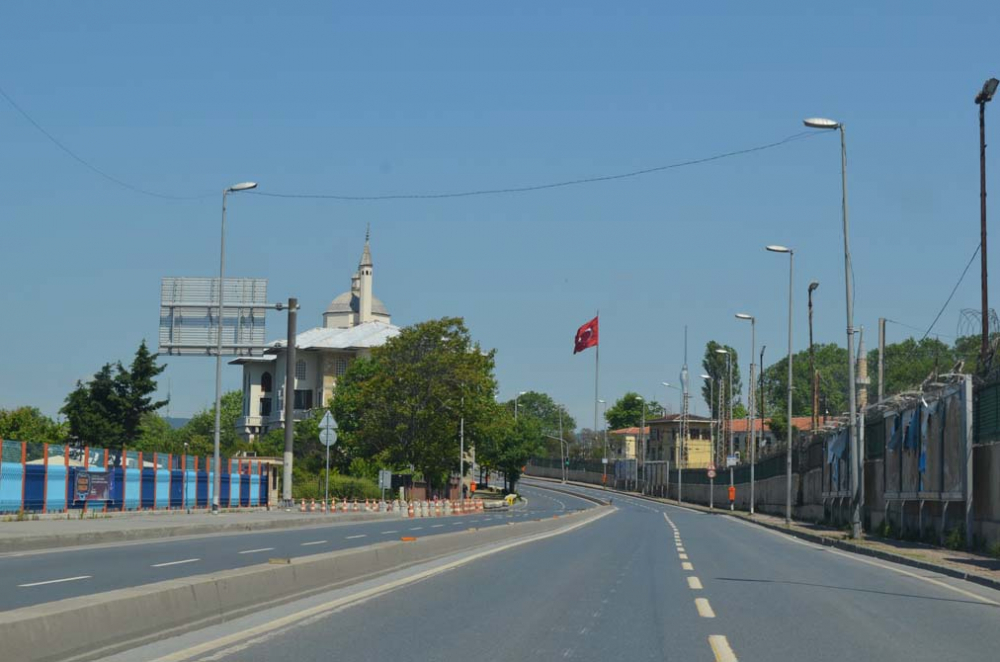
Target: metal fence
x=36 y=477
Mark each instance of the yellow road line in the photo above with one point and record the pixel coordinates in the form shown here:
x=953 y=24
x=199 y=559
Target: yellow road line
x=704 y=609
x=694 y=583
x=720 y=646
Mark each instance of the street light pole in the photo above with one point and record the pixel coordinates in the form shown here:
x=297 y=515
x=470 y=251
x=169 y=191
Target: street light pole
x=561 y=447
x=984 y=96
x=852 y=418
x=516 y=398
x=711 y=434
x=788 y=450
x=752 y=401
x=217 y=482
x=729 y=415
x=813 y=376
x=604 y=412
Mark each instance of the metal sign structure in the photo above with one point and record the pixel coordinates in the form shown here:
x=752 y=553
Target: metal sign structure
x=328 y=437
x=189 y=316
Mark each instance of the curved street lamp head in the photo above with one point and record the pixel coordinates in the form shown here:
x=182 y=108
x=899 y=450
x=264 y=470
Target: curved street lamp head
x=821 y=123
x=719 y=350
x=521 y=393
x=775 y=248
x=813 y=285
x=244 y=186
x=744 y=316
x=989 y=89
x=704 y=376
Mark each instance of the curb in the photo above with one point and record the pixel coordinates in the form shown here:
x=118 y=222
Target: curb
x=76 y=628
x=825 y=541
x=55 y=541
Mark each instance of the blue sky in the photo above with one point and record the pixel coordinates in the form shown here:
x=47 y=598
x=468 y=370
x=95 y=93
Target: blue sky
x=370 y=98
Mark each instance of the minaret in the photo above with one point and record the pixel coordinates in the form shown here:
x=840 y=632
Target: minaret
x=365 y=273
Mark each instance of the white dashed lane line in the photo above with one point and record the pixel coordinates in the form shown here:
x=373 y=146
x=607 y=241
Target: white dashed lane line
x=313 y=542
x=55 y=581
x=170 y=563
x=360 y=535
x=704 y=609
x=254 y=551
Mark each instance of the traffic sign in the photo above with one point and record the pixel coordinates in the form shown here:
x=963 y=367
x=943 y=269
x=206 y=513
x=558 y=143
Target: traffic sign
x=711 y=466
x=604 y=460
x=711 y=473
x=731 y=460
x=328 y=430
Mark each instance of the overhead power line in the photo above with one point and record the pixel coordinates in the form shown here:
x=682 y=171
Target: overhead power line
x=953 y=290
x=540 y=187
x=90 y=166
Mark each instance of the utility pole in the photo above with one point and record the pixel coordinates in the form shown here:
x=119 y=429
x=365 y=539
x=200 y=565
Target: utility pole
x=814 y=376
x=984 y=96
x=881 y=359
x=286 y=469
x=562 y=452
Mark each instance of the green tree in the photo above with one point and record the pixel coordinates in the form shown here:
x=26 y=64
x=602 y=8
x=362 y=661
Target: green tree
x=403 y=405
x=626 y=412
x=156 y=435
x=109 y=409
x=831 y=364
x=29 y=424
x=910 y=362
x=716 y=367
x=546 y=411
x=199 y=432
x=507 y=444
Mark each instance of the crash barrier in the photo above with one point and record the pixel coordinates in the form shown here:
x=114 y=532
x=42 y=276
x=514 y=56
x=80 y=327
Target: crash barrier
x=46 y=478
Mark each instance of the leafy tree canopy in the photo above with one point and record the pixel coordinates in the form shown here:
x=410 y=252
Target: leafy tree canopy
x=716 y=367
x=29 y=424
x=627 y=411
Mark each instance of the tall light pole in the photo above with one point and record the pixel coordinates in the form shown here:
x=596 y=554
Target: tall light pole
x=640 y=445
x=729 y=416
x=679 y=446
x=516 y=398
x=752 y=401
x=856 y=462
x=788 y=451
x=604 y=412
x=985 y=95
x=217 y=482
x=711 y=434
x=813 y=375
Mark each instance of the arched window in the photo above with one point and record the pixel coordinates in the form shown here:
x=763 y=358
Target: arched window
x=265 y=382
x=300 y=369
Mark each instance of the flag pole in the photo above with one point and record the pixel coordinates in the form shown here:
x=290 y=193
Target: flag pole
x=597 y=372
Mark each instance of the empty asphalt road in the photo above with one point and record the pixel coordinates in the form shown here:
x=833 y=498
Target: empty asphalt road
x=646 y=582
x=30 y=578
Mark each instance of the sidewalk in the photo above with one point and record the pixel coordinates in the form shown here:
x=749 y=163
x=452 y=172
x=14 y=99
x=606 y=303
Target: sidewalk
x=977 y=568
x=52 y=532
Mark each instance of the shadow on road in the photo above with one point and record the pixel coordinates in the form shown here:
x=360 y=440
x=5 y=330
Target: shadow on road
x=858 y=590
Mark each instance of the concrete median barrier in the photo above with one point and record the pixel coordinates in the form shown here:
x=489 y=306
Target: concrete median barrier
x=90 y=627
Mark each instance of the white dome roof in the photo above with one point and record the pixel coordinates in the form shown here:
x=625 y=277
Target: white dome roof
x=349 y=303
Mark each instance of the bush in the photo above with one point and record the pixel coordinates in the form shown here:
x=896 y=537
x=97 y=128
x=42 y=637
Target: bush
x=955 y=539
x=311 y=486
x=995 y=550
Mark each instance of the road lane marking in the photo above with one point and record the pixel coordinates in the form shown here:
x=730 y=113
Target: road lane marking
x=680 y=549
x=721 y=649
x=360 y=535
x=254 y=551
x=929 y=580
x=415 y=528
x=456 y=523
x=694 y=583
x=313 y=542
x=683 y=557
x=385 y=533
x=169 y=563
x=55 y=581
x=687 y=566
x=221 y=646
x=704 y=609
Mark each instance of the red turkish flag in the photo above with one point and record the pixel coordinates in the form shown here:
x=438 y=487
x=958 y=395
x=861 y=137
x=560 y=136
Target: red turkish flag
x=586 y=336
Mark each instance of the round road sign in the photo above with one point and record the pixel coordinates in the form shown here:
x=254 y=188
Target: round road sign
x=711 y=473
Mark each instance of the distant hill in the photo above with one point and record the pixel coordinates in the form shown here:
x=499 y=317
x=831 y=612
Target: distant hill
x=176 y=423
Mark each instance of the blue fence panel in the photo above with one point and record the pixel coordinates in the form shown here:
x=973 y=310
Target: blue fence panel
x=254 y=490
x=244 y=490
x=224 y=491
x=55 y=495
x=117 y=488
x=34 y=487
x=162 y=489
x=203 y=477
x=234 y=490
x=265 y=485
x=148 y=488
x=11 y=476
x=176 y=489
x=191 y=489
x=133 y=495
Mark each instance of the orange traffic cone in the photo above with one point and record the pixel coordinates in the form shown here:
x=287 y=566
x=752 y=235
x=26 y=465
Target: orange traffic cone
x=302 y=508
x=312 y=505
x=409 y=511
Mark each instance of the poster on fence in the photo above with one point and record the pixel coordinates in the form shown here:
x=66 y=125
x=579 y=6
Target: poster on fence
x=92 y=486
